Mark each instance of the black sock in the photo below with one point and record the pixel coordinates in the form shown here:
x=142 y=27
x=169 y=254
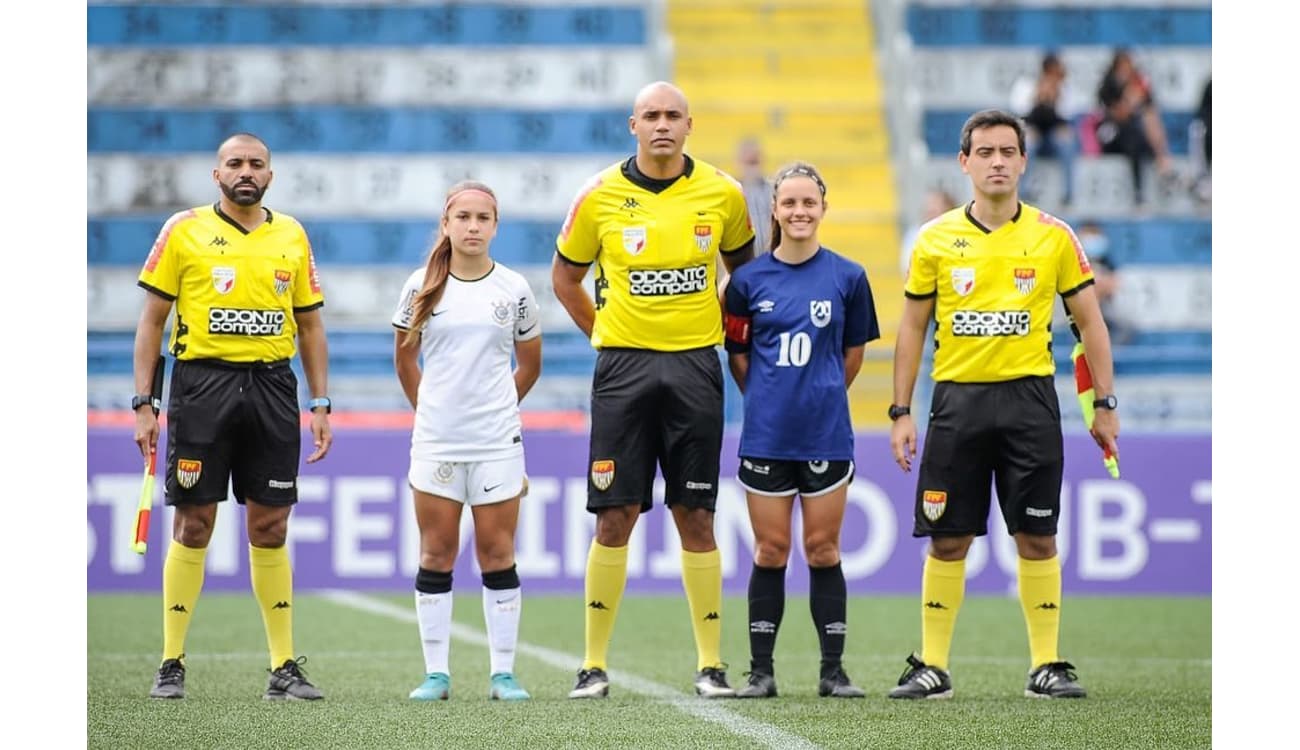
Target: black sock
x=828 y=597
x=766 y=605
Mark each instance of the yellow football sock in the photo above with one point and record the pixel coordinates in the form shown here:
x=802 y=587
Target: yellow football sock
x=182 y=581
x=1040 y=600
x=606 y=578
x=943 y=586
x=702 y=579
x=272 y=580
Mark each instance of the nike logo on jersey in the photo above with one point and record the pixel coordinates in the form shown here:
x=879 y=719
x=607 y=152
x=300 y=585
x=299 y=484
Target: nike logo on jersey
x=529 y=328
x=493 y=487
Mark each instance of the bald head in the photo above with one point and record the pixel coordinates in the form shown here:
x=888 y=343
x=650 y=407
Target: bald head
x=243 y=171
x=660 y=95
x=243 y=141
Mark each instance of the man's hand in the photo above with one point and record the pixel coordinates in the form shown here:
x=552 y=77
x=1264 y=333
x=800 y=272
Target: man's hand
x=321 y=435
x=902 y=440
x=146 y=431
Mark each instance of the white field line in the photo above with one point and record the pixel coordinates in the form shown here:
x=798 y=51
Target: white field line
x=708 y=710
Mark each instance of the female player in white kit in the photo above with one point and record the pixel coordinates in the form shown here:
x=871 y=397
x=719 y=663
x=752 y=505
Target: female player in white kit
x=464 y=315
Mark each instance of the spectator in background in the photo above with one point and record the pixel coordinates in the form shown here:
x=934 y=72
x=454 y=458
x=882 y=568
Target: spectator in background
x=936 y=201
x=1097 y=247
x=757 y=189
x=1043 y=104
x=1201 y=146
x=1131 y=124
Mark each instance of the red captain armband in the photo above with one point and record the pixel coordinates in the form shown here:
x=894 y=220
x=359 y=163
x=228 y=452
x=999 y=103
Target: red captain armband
x=737 y=327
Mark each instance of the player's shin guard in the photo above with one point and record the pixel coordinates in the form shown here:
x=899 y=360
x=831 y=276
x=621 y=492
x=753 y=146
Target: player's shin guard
x=272 y=580
x=606 y=578
x=943 y=586
x=828 y=600
x=766 y=608
x=1040 y=600
x=502 y=604
x=182 y=582
x=702 y=579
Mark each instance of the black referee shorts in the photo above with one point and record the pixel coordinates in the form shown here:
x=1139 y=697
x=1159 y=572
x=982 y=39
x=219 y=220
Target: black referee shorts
x=649 y=408
x=1006 y=434
x=232 y=423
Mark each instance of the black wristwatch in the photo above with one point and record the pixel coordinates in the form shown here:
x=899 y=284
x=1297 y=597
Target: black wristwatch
x=143 y=399
x=1110 y=402
x=896 y=411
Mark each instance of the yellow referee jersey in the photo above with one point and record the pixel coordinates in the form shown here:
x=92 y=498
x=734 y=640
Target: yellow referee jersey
x=995 y=291
x=235 y=291
x=656 y=254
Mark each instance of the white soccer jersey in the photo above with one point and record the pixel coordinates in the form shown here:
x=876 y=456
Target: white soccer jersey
x=468 y=409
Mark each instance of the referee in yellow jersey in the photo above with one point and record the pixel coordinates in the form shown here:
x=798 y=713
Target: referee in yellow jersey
x=244 y=285
x=654 y=226
x=989 y=271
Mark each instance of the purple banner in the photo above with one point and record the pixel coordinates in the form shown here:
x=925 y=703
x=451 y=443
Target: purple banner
x=1148 y=532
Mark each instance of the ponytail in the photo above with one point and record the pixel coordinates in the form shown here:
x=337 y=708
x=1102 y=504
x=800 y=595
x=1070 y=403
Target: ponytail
x=439 y=265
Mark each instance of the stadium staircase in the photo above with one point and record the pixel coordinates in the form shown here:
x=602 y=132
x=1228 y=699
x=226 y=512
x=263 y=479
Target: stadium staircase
x=801 y=77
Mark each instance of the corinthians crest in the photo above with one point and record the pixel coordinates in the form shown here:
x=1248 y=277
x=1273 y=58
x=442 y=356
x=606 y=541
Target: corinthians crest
x=503 y=313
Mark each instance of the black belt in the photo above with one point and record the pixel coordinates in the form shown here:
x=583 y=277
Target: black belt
x=225 y=364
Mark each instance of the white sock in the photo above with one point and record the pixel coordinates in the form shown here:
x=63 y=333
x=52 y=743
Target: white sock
x=433 y=612
x=501 y=613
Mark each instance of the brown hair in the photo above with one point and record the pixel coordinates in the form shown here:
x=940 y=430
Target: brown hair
x=439 y=264
x=796 y=169
x=989 y=118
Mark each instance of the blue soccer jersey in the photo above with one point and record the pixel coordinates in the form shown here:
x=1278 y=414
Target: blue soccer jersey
x=795 y=321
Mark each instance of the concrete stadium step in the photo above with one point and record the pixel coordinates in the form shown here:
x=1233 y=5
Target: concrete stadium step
x=795 y=90
x=761 y=60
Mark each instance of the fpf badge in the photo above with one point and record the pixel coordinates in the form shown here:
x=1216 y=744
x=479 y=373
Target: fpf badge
x=933 y=504
x=602 y=474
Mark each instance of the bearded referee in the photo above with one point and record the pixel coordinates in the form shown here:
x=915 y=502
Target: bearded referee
x=244 y=285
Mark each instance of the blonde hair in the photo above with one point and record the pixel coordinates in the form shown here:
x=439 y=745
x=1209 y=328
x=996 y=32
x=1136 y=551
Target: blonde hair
x=439 y=264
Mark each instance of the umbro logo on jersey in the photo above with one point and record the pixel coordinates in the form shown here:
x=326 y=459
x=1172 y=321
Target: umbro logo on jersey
x=711 y=616
x=218 y=241
x=766 y=306
x=960 y=243
x=630 y=204
x=597 y=604
x=934 y=605
x=281 y=605
x=1047 y=605
x=179 y=608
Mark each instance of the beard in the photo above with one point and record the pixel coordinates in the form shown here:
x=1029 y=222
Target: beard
x=243 y=198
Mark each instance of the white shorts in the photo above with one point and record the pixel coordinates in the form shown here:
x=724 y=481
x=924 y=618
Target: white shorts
x=469 y=482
